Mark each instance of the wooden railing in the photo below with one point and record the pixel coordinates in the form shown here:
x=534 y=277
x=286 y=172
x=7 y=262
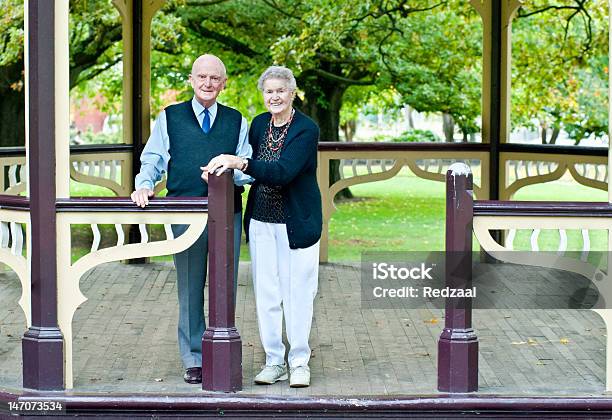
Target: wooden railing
x=457 y=365
x=120 y=212
x=369 y=162
x=108 y=166
x=521 y=165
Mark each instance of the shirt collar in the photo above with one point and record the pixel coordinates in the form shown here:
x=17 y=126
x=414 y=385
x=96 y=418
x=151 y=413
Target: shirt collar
x=198 y=108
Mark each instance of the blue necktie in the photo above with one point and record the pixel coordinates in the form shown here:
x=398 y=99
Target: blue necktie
x=206 y=121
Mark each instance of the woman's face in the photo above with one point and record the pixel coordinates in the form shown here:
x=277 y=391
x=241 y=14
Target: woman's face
x=278 y=99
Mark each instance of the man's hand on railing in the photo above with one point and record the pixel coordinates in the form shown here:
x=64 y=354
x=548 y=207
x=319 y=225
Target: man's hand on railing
x=141 y=196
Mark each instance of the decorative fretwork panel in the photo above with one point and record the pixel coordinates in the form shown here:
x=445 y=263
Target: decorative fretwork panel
x=108 y=243
x=582 y=234
x=108 y=235
x=109 y=170
x=522 y=169
x=14 y=228
x=434 y=169
x=364 y=166
x=561 y=241
x=13 y=175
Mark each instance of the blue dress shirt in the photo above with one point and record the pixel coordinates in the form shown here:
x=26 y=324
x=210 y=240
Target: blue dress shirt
x=155 y=156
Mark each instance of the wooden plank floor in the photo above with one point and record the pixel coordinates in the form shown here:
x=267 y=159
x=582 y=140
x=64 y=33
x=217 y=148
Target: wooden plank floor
x=125 y=340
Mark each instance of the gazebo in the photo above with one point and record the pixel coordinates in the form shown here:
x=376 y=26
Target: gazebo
x=50 y=281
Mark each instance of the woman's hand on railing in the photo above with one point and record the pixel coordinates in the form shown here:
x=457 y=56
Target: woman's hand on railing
x=222 y=163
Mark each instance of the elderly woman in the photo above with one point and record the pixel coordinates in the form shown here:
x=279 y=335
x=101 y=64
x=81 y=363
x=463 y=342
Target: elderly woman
x=283 y=225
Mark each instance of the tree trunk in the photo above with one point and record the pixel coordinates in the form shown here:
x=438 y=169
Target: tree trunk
x=349 y=128
x=409 y=111
x=543 y=135
x=326 y=113
x=12 y=118
x=12 y=105
x=543 y=132
x=554 y=135
x=448 y=126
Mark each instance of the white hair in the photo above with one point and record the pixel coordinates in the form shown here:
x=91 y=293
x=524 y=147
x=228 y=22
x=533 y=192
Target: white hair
x=277 y=72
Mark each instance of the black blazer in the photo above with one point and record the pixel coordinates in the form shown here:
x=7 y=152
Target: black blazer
x=296 y=173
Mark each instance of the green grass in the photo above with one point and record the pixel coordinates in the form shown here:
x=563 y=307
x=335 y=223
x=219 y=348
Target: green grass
x=78 y=189
x=405 y=213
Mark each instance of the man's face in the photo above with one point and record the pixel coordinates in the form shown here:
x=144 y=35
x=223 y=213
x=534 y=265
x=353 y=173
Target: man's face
x=207 y=80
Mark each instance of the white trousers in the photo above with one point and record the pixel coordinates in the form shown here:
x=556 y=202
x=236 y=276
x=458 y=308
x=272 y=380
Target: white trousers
x=287 y=278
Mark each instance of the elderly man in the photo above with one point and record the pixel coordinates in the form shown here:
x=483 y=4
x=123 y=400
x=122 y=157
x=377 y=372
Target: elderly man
x=185 y=137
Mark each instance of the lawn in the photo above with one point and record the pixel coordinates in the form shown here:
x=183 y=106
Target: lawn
x=404 y=213
x=407 y=213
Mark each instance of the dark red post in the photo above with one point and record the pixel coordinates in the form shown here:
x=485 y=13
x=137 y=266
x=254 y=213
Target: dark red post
x=458 y=344
x=137 y=140
x=221 y=343
x=42 y=344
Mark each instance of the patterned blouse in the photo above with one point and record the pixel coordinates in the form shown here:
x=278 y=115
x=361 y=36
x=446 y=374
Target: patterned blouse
x=268 y=206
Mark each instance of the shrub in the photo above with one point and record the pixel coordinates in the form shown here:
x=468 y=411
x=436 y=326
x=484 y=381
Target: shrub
x=382 y=137
x=416 y=136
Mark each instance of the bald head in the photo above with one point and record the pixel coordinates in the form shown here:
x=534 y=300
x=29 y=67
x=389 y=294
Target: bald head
x=207 y=79
x=208 y=60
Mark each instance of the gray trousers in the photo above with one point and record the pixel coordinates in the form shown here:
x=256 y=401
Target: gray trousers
x=191 y=269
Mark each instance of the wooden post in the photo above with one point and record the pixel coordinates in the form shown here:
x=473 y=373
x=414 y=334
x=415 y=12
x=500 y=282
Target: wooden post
x=136 y=123
x=221 y=343
x=458 y=344
x=42 y=344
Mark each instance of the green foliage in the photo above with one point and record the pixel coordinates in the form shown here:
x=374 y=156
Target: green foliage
x=353 y=102
x=11 y=32
x=382 y=138
x=89 y=137
x=560 y=63
x=587 y=112
x=11 y=45
x=438 y=63
x=347 y=56
x=416 y=136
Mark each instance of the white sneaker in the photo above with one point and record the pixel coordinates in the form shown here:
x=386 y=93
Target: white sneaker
x=271 y=374
x=300 y=377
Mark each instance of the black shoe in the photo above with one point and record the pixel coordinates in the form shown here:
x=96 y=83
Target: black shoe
x=193 y=375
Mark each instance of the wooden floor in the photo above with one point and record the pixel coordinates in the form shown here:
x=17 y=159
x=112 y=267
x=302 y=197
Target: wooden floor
x=125 y=340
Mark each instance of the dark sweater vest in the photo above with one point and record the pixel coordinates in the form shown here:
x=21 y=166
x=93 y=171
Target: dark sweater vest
x=191 y=148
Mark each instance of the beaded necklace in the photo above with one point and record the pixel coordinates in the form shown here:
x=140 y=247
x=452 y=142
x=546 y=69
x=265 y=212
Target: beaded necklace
x=276 y=144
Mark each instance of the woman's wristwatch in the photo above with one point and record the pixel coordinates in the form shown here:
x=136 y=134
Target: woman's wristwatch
x=245 y=164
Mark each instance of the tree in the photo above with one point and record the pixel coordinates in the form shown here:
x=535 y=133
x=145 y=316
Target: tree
x=95 y=57
x=559 y=76
x=337 y=45
x=435 y=64
x=587 y=101
x=12 y=105
x=95 y=30
x=331 y=45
